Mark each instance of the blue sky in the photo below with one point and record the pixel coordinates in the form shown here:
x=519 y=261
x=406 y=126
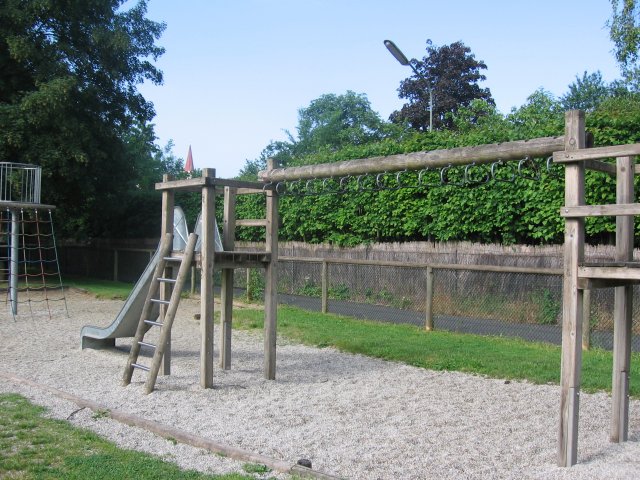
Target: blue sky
x=236 y=72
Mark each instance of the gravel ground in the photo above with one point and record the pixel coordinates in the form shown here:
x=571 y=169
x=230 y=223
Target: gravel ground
x=353 y=416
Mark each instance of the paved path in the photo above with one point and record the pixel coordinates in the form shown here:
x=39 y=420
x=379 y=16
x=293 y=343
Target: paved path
x=480 y=326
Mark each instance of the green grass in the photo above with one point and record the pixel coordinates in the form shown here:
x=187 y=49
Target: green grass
x=107 y=289
x=34 y=447
x=496 y=357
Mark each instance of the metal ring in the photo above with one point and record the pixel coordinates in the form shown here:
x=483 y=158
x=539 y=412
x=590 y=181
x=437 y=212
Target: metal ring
x=524 y=161
x=282 y=191
x=494 y=174
x=471 y=181
x=550 y=171
x=444 y=178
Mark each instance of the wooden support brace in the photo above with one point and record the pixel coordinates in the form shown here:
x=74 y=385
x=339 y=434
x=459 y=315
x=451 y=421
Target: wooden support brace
x=206 y=280
x=623 y=307
x=271 y=284
x=226 y=295
x=572 y=297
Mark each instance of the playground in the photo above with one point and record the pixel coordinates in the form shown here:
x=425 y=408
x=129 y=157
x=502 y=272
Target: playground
x=352 y=416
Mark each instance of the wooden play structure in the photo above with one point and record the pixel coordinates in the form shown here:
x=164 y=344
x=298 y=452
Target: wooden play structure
x=165 y=289
x=568 y=150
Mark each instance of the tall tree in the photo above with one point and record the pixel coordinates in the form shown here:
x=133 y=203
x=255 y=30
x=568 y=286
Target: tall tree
x=334 y=121
x=586 y=93
x=452 y=74
x=69 y=72
x=625 y=33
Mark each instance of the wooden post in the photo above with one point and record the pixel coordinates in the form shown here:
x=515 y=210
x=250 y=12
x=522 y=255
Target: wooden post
x=586 y=319
x=271 y=283
x=226 y=296
x=193 y=280
x=325 y=286
x=622 y=313
x=249 y=292
x=168 y=203
x=207 y=250
x=428 y=321
x=572 y=297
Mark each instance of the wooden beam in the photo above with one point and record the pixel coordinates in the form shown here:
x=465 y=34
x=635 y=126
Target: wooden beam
x=438 y=266
x=596 y=153
x=196 y=184
x=271 y=285
x=226 y=295
x=253 y=186
x=599 y=166
x=168 y=204
x=623 y=307
x=601 y=210
x=251 y=223
x=189 y=184
x=207 y=251
x=609 y=273
x=572 y=296
x=538 y=147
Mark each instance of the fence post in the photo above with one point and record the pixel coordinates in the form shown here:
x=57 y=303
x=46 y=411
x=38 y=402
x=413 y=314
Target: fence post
x=428 y=321
x=325 y=286
x=249 y=292
x=586 y=320
x=115 y=265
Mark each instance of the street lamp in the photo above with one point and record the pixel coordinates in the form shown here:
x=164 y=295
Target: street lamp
x=402 y=59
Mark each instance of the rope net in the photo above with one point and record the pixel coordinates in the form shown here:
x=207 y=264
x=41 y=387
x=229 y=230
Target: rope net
x=37 y=290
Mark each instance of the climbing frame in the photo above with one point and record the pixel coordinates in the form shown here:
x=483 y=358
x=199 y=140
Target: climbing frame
x=208 y=260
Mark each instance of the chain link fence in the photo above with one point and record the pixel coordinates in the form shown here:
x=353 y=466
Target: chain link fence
x=506 y=303
x=473 y=299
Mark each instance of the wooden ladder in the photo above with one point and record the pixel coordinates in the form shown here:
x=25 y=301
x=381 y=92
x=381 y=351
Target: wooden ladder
x=171 y=305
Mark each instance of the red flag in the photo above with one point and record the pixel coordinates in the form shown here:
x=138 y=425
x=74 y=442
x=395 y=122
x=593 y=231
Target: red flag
x=188 y=167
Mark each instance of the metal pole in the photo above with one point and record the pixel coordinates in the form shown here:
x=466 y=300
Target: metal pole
x=13 y=266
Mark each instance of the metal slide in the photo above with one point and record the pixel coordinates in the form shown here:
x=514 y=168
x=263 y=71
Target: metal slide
x=126 y=323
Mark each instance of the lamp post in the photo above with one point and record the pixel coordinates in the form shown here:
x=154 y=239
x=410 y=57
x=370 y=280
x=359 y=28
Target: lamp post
x=402 y=59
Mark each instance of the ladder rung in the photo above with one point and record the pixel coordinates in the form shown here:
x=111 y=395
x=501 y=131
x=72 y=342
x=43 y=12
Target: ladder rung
x=172 y=259
x=145 y=344
x=167 y=280
x=161 y=302
x=141 y=367
x=151 y=322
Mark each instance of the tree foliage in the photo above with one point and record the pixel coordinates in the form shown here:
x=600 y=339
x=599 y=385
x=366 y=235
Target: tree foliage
x=625 y=33
x=452 y=73
x=69 y=103
x=335 y=121
x=586 y=93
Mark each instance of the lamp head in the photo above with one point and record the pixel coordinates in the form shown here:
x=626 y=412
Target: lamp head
x=395 y=51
